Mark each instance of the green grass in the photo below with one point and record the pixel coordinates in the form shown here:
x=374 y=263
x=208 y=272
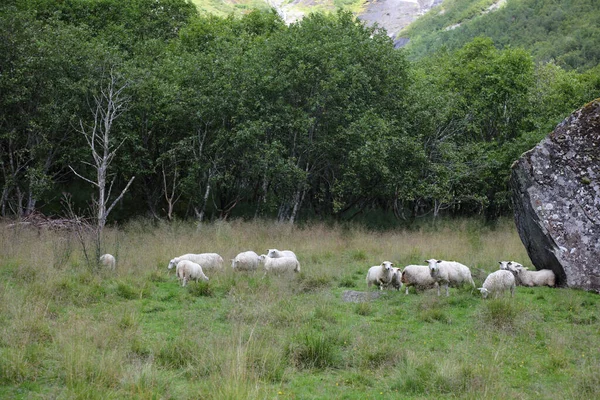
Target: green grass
x=70 y=332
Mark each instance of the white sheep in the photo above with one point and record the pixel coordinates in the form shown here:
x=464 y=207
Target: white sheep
x=246 y=261
x=187 y=270
x=417 y=275
x=380 y=275
x=449 y=273
x=524 y=277
x=509 y=264
x=497 y=283
x=108 y=261
x=396 y=282
x=274 y=253
x=209 y=261
x=280 y=264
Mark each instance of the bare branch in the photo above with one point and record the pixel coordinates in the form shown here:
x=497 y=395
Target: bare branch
x=83 y=177
x=120 y=196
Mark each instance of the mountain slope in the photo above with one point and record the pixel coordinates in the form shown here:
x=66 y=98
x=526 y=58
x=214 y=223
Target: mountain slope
x=566 y=32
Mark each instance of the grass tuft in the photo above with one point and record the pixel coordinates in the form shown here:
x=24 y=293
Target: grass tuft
x=314 y=350
x=200 y=289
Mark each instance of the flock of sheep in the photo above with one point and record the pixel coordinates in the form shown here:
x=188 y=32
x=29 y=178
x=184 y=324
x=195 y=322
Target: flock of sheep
x=445 y=273
x=191 y=266
x=435 y=274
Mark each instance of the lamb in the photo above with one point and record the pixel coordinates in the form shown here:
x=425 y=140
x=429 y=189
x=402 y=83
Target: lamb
x=280 y=264
x=508 y=264
x=380 y=275
x=417 y=275
x=187 y=270
x=524 y=277
x=449 y=272
x=246 y=261
x=207 y=260
x=274 y=253
x=396 y=282
x=108 y=261
x=497 y=283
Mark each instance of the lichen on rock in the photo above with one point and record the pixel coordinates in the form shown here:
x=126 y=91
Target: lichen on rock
x=556 y=197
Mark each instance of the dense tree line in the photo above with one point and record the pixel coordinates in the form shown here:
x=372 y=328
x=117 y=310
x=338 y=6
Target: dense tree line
x=250 y=117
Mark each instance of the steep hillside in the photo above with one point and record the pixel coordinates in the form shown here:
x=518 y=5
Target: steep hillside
x=392 y=15
x=567 y=32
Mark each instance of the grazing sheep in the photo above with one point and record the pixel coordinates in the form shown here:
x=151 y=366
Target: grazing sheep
x=396 y=282
x=108 y=261
x=497 y=283
x=417 y=275
x=274 y=253
x=380 y=275
x=207 y=260
x=449 y=272
x=279 y=265
x=524 y=277
x=246 y=261
x=187 y=270
x=508 y=264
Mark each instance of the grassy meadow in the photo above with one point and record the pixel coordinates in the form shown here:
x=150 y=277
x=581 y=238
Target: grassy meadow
x=69 y=331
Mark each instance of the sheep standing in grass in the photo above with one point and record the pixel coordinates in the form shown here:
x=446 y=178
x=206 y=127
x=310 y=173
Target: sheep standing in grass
x=418 y=276
x=274 y=253
x=449 y=273
x=280 y=264
x=497 y=283
x=246 y=261
x=187 y=270
x=396 y=282
x=209 y=261
x=108 y=261
x=380 y=275
x=524 y=277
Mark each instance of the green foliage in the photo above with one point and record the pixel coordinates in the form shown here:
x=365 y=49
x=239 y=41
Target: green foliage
x=565 y=32
x=244 y=116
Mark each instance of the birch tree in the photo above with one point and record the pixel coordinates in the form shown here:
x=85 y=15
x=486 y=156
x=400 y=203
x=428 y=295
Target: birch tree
x=109 y=104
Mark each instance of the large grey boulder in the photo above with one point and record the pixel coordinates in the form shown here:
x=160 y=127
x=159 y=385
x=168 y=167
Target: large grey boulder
x=556 y=197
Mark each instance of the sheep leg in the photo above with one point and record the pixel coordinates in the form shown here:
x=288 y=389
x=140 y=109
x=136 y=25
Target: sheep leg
x=447 y=291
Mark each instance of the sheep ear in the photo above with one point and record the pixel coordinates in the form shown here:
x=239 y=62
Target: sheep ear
x=438 y=261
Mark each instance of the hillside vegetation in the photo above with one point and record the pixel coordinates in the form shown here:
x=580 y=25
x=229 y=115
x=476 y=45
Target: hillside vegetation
x=68 y=330
x=565 y=32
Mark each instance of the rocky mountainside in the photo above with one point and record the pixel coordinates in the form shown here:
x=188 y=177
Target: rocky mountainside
x=394 y=15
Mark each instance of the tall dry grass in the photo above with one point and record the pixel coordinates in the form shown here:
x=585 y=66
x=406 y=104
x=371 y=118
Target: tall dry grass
x=135 y=333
